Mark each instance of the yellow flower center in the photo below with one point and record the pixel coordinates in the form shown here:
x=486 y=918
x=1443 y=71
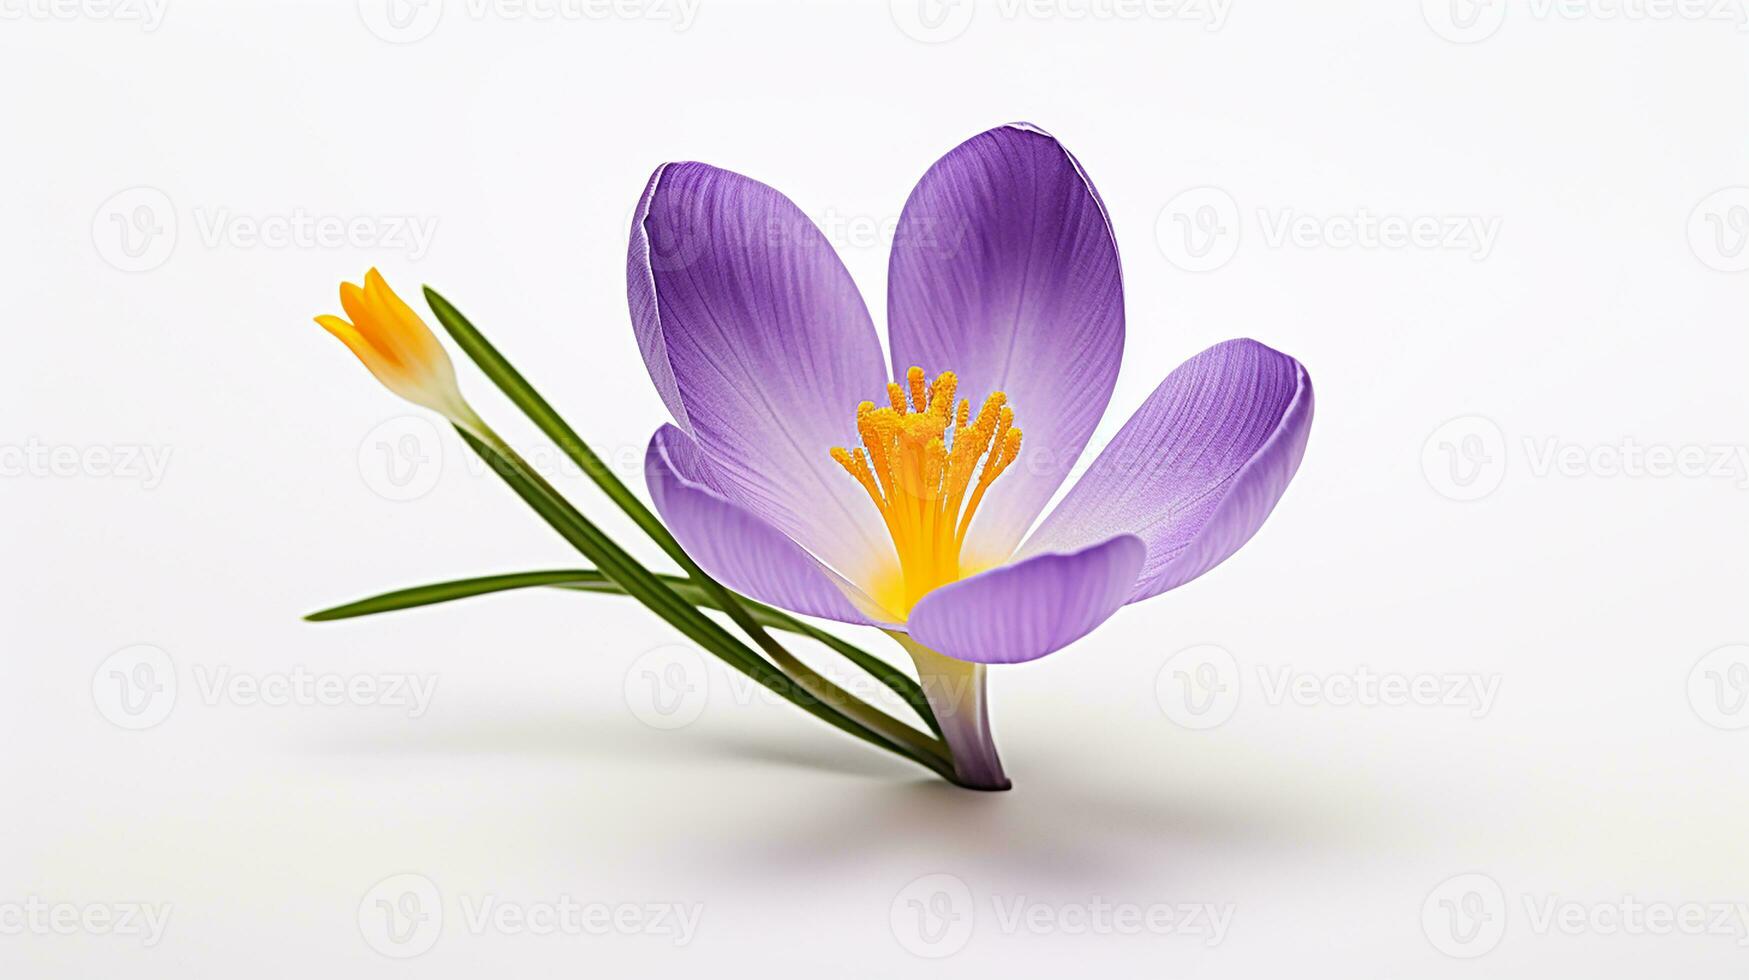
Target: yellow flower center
x=927 y=483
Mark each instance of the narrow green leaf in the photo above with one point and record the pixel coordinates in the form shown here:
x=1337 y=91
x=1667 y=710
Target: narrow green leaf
x=589 y=580
x=426 y=595
x=875 y=727
x=502 y=373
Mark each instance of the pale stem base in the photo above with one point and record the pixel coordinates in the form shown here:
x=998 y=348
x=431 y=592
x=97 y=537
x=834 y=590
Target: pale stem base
x=957 y=695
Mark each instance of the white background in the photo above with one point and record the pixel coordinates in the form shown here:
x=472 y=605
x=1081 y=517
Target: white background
x=1606 y=314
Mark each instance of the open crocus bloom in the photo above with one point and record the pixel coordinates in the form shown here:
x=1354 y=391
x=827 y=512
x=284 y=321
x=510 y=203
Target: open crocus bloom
x=799 y=474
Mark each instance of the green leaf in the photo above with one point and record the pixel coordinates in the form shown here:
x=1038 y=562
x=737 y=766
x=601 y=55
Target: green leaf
x=553 y=425
x=589 y=580
x=427 y=595
x=502 y=373
x=801 y=686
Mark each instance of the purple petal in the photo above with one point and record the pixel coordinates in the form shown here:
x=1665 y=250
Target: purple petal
x=1196 y=471
x=761 y=347
x=1023 y=611
x=735 y=547
x=1004 y=270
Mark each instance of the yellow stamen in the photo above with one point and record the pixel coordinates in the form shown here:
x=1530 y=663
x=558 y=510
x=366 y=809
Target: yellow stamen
x=919 y=458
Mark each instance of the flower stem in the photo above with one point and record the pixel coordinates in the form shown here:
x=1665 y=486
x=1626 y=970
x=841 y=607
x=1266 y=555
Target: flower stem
x=957 y=694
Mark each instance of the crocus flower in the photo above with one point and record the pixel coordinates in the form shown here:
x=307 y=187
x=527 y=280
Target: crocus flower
x=800 y=472
x=399 y=349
